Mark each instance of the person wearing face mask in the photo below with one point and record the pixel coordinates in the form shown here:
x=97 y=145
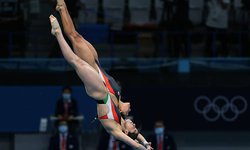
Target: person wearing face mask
x=63 y=139
x=161 y=139
x=67 y=109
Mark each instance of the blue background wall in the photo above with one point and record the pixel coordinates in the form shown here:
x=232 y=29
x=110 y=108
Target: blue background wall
x=22 y=106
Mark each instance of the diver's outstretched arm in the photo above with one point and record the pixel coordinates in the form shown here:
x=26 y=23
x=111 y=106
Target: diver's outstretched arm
x=118 y=134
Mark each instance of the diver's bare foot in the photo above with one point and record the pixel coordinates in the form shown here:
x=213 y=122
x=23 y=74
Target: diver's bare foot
x=60 y=4
x=55 y=27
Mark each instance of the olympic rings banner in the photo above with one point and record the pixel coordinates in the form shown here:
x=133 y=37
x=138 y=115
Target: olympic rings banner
x=221 y=106
x=197 y=108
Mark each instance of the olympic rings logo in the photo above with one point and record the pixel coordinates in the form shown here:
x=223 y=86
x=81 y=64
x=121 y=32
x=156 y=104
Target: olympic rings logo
x=220 y=107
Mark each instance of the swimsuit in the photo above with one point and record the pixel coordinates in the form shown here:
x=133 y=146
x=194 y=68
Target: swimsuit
x=114 y=112
x=109 y=81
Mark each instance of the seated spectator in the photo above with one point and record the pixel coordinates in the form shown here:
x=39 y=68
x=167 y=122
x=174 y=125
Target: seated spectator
x=67 y=110
x=161 y=139
x=63 y=139
x=12 y=29
x=217 y=24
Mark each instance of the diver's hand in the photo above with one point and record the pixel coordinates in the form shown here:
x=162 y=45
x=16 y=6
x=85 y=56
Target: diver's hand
x=148 y=146
x=141 y=147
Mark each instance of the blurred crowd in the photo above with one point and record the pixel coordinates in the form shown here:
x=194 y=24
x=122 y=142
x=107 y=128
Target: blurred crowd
x=172 y=31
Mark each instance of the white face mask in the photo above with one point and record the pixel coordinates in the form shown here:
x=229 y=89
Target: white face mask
x=66 y=96
x=63 y=129
x=159 y=130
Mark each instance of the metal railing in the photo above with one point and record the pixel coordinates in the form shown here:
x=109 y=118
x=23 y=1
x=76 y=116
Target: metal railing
x=194 y=64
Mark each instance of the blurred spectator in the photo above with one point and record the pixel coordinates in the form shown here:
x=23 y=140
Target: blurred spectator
x=12 y=29
x=74 y=7
x=217 y=24
x=246 y=27
x=126 y=13
x=63 y=139
x=167 y=12
x=67 y=110
x=161 y=139
x=175 y=20
x=178 y=30
x=152 y=12
x=246 y=4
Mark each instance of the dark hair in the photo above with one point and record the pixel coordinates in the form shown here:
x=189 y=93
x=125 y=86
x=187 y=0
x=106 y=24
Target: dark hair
x=67 y=88
x=159 y=119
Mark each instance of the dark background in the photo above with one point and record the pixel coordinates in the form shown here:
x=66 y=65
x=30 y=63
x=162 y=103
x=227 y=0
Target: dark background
x=153 y=95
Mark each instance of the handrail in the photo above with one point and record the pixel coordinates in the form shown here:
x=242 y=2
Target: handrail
x=60 y=65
